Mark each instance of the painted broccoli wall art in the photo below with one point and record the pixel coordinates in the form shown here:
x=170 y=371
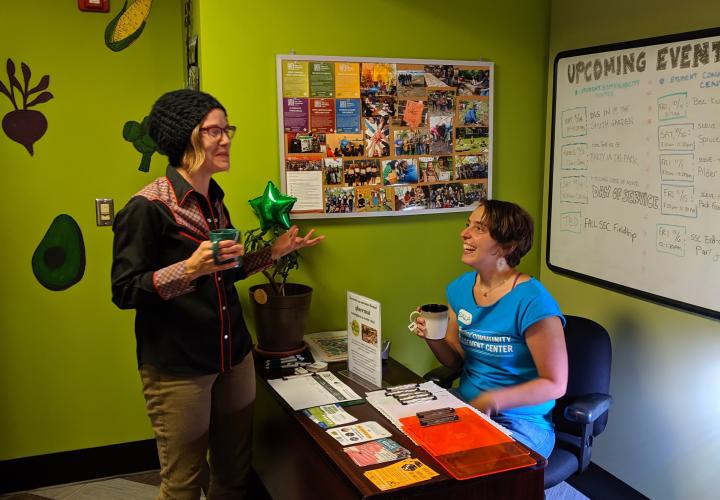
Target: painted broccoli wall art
x=139 y=136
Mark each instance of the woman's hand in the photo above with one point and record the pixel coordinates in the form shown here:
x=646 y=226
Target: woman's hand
x=420 y=326
x=289 y=241
x=486 y=403
x=201 y=262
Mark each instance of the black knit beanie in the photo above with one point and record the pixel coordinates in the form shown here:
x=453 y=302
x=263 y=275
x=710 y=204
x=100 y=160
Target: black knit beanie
x=173 y=118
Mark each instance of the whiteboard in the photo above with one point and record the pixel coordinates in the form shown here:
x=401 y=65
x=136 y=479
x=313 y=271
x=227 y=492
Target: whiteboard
x=634 y=199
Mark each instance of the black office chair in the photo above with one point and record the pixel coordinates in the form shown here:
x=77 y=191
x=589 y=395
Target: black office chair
x=582 y=413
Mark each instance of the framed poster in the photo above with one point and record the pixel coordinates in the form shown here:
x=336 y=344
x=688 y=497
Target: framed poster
x=378 y=136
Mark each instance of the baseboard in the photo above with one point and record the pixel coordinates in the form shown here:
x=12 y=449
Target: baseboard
x=40 y=471
x=28 y=473
x=597 y=483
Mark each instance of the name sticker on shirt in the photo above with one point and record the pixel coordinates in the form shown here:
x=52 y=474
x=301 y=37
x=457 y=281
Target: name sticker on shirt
x=464 y=317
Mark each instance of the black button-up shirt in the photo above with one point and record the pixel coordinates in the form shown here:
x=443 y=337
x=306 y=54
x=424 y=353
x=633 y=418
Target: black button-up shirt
x=182 y=327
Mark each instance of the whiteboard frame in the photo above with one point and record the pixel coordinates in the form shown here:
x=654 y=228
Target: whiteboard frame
x=644 y=42
x=393 y=213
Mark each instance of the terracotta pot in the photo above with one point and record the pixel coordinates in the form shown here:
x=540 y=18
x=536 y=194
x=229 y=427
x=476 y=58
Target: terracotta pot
x=280 y=319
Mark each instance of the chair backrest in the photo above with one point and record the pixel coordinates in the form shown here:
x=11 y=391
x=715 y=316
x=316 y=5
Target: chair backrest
x=589 y=361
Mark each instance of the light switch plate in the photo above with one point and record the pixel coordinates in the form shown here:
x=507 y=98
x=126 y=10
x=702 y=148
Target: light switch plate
x=104 y=211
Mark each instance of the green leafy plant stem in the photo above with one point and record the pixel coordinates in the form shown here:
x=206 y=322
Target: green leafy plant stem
x=258 y=239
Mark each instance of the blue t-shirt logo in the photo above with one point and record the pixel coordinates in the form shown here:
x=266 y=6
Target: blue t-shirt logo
x=464 y=317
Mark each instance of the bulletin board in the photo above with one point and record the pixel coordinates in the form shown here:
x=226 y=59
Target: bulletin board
x=384 y=137
x=634 y=202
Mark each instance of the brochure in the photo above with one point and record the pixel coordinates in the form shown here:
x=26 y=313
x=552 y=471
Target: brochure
x=327 y=416
x=312 y=389
x=403 y=473
x=376 y=452
x=328 y=346
x=358 y=433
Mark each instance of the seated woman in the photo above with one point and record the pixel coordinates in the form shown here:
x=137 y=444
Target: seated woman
x=505 y=331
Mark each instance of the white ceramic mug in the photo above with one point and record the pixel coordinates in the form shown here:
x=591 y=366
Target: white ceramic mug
x=436 y=320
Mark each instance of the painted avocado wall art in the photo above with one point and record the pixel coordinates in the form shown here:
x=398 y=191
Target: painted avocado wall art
x=138 y=135
x=23 y=125
x=59 y=260
x=127 y=26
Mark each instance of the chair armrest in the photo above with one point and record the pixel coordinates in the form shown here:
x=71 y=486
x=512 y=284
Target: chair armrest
x=442 y=376
x=586 y=409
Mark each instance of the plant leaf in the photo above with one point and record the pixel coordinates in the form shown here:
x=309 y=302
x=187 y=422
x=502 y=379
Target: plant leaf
x=10 y=66
x=26 y=74
x=14 y=82
x=44 y=82
x=5 y=90
x=44 y=97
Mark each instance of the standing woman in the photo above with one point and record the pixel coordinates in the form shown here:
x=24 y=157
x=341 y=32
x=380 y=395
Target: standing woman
x=505 y=331
x=193 y=347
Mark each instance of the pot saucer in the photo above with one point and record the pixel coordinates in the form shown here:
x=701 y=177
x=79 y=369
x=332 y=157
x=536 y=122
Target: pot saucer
x=259 y=351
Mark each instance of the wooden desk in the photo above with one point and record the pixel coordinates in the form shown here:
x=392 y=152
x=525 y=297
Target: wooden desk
x=296 y=459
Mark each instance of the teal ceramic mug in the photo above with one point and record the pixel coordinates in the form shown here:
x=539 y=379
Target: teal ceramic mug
x=218 y=235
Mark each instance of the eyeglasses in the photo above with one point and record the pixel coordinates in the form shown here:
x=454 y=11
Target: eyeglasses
x=217 y=132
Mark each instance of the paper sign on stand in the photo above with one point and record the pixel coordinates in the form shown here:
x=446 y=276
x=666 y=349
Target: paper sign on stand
x=364 y=338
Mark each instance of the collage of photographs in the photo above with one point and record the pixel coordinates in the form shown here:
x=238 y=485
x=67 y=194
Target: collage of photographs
x=385 y=136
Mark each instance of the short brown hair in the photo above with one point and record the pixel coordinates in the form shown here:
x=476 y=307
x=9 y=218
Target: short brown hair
x=511 y=226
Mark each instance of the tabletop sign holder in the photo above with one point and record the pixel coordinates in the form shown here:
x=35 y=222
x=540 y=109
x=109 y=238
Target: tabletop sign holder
x=365 y=346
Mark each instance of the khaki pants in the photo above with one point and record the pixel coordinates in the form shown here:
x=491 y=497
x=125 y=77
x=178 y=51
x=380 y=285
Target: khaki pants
x=193 y=415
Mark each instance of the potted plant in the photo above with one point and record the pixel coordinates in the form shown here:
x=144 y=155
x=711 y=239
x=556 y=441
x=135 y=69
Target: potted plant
x=280 y=308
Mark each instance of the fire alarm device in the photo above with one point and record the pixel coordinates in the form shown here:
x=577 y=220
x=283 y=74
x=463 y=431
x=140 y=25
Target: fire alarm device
x=94 y=5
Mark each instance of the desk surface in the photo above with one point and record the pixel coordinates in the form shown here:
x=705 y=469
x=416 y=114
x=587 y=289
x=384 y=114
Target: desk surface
x=296 y=459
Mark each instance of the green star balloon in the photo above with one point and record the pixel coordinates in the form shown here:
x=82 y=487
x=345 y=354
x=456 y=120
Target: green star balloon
x=273 y=207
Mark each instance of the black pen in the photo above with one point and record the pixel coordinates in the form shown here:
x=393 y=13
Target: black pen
x=400 y=388
x=418 y=400
x=410 y=395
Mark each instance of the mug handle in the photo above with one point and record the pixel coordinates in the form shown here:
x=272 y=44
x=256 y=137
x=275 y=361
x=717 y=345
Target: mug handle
x=413 y=326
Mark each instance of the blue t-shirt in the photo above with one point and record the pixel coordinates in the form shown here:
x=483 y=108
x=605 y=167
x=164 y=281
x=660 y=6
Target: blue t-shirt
x=493 y=339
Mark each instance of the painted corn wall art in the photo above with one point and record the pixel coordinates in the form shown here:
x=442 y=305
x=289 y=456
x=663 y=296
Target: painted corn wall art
x=127 y=26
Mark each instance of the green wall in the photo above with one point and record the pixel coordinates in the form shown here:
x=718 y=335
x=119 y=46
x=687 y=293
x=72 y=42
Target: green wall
x=661 y=436
x=399 y=261
x=67 y=359
x=67 y=363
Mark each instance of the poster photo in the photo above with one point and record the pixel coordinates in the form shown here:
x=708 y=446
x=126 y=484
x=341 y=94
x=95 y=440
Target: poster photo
x=374 y=199
x=384 y=136
x=333 y=171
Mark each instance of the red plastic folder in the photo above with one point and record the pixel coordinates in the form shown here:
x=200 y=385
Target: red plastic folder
x=469 y=447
